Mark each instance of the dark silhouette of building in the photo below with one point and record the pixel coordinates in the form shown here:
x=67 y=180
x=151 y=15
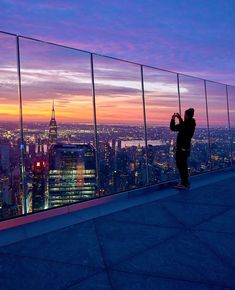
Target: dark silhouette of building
x=39 y=190
x=4 y=157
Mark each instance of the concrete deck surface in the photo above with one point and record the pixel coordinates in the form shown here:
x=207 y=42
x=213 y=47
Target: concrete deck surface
x=185 y=240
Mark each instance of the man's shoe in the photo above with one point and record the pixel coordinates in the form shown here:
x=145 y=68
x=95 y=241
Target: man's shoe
x=181 y=186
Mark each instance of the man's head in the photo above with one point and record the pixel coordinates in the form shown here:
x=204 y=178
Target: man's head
x=189 y=114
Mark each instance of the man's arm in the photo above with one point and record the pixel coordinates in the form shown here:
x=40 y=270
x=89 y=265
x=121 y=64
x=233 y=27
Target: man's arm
x=173 y=126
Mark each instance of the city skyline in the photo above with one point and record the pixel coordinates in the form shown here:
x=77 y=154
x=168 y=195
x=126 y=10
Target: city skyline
x=63 y=163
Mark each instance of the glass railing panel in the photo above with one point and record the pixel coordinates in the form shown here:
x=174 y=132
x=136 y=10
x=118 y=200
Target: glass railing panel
x=161 y=102
x=231 y=102
x=192 y=95
x=11 y=196
x=58 y=125
x=120 y=122
x=218 y=125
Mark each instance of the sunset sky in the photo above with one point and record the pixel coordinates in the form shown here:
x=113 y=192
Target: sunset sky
x=190 y=37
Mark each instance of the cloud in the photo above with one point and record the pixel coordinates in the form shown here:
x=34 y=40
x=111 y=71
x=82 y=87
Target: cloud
x=176 y=36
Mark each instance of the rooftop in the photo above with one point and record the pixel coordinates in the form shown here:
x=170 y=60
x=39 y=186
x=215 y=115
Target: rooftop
x=148 y=239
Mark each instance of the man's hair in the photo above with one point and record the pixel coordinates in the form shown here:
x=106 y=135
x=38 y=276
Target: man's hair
x=190 y=113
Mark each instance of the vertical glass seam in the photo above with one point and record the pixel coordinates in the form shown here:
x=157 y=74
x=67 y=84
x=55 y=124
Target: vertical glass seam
x=95 y=122
x=145 y=124
x=22 y=147
x=208 y=126
x=229 y=125
x=178 y=87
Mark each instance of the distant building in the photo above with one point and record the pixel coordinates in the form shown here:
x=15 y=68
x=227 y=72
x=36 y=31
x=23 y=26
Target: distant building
x=72 y=173
x=5 y=196
x=4 y=190
x=53 y=127
x=39 y=185
x=4 y=157
x=119 y=144
x=17 y=194
x=113 y=143
x=32 y=150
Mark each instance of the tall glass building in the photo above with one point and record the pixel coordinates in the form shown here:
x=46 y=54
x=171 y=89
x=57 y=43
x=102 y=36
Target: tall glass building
x=72 y=173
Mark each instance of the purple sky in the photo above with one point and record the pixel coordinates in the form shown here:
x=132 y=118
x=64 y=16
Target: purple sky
x=192 y=37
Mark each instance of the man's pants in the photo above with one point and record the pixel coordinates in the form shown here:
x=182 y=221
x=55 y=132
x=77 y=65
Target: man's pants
x=181 y=163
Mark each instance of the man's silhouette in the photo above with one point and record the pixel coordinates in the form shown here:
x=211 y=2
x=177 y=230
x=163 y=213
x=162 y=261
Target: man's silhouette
x=186 y=130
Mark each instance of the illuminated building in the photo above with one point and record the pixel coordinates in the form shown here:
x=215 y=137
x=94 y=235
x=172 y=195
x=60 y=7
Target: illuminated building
x=72 y=173
x=39 y=187
x=53 y=127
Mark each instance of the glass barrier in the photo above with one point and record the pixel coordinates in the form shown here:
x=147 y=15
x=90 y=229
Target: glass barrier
x=58 y=158
x=218 y=125
x=231 y=102
x=161 y=102
x=120 y=123
x=11 y=195
x=192 y=95
x=58 y=125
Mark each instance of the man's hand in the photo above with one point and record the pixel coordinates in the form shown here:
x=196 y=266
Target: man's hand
x=177 y=115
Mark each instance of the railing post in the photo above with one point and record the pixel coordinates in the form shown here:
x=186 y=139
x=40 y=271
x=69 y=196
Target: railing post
x=22 y=145
x=208 y=127
x=145 y=125
x=95 y=123
x=178 y=87
x=229 y=128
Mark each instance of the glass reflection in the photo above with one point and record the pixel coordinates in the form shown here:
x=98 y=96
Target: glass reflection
x=119 y=109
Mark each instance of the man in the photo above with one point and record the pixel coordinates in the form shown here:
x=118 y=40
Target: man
x=186 y=130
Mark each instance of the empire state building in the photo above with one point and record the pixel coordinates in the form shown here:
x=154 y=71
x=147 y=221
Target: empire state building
x=53 y=127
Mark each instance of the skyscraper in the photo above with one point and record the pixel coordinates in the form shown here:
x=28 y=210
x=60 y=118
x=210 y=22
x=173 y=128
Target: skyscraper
x=39 y=190
x=72 y=173
x=53 y=127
